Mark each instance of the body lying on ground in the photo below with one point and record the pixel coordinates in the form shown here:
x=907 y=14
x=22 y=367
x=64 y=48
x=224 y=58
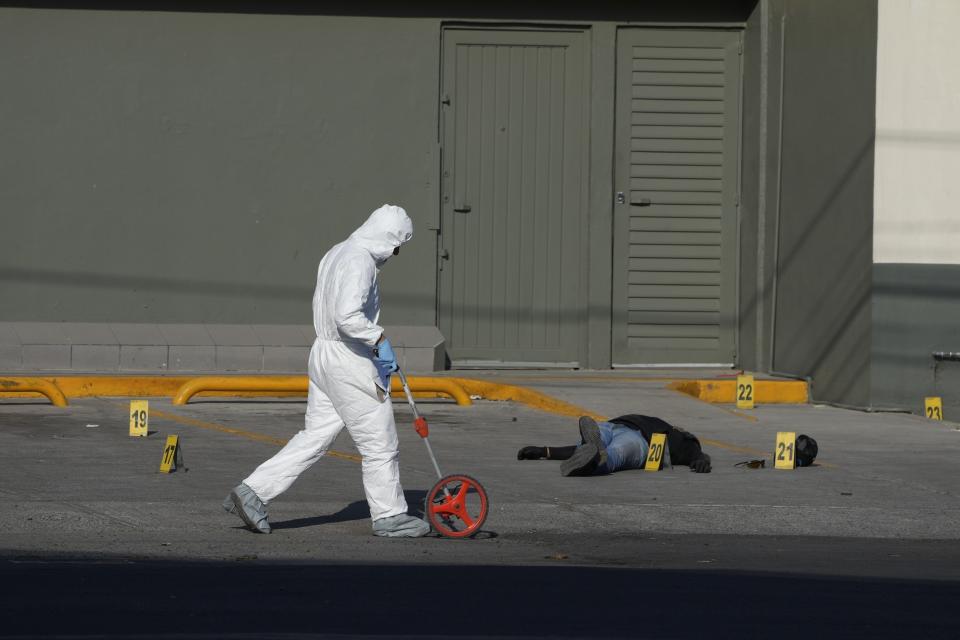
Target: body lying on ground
x=618 y=444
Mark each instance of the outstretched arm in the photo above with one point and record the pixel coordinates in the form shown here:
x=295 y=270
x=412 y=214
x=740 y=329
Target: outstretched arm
x=547 y=453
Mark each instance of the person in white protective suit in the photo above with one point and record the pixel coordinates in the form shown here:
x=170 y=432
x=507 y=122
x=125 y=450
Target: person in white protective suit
x=349 y=368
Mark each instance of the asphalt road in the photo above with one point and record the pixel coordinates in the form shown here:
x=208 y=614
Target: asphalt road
x=94 y=542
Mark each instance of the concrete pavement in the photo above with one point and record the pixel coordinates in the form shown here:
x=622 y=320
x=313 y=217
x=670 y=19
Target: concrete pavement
x=880 y=511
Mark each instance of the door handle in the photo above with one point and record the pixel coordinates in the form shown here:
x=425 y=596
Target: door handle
x=462 y=208
x=642 y=202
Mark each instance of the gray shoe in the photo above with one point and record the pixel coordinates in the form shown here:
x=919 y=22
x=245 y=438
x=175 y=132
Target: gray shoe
x=400 y=526
x=583 y=462
x=590 y=433
x=245 y=503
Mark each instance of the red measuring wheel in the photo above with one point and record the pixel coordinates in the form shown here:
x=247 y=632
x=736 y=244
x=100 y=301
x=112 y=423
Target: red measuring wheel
x=457 y=506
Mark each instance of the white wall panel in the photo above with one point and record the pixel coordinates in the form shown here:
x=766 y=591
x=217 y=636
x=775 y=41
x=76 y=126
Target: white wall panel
x=917 y=172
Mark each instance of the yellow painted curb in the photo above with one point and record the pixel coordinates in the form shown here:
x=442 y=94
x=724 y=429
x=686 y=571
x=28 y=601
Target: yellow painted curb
x=717 y=391
x=169 y=386
x=298 y=384
x=127 y=387
x=529 y=397
x=764 y=391
x=18 y=387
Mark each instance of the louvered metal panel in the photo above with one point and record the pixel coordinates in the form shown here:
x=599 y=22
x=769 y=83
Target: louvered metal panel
x=659 y=92
x=514 y=147
x=676 y=160
x=669 y=51
x=673 y=79
x=676 y=66
x=649 y=223
x=698 y=185
x=674 y=145
x=674 y=331
x=674 y=277
x=689 y=211
x=674 y=317
x=674 y=238
x=677 y=119
x=671 y=291
x=676 y=133
x=645 y=198
x=679 y=346
x=688 y=159
x=638 y=170
x=676 y=106
x=673 y=264
x=672 y=304
x=668 y=251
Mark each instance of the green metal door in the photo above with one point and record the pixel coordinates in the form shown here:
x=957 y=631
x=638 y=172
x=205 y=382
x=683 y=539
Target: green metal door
x=676 y=186
x=514 y=136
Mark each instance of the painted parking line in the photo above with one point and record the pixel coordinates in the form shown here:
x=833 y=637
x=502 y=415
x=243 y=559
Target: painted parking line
x=242 y=433
x=250 y=435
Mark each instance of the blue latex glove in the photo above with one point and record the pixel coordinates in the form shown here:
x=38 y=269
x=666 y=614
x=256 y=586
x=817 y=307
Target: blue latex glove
x=386 y=361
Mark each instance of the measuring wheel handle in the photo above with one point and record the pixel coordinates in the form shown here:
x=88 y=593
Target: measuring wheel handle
x=457 y=506
x=420 y=424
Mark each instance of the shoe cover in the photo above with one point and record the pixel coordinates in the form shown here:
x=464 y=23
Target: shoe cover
x=249 y=507
x=400 y=526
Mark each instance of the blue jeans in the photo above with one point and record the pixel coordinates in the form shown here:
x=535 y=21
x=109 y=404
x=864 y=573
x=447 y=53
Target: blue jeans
x=626 y=448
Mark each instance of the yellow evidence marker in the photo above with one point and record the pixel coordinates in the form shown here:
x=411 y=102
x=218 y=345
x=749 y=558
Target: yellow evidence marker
x=139 y=415
x=172 y=455
x=658 y=443
x=744 y=392
x=785 y=453
x=933 y=407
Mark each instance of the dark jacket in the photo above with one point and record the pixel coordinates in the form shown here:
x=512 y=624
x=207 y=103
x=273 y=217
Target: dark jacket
x=683 y=446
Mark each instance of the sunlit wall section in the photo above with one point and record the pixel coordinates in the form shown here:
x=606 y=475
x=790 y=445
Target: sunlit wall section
x=917 y=186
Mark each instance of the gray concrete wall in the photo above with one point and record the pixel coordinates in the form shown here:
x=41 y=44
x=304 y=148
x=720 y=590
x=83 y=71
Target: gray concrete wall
x=817 y=196
x=27 y=347
x=173 y=167
x=916 y=312
x=168 y=163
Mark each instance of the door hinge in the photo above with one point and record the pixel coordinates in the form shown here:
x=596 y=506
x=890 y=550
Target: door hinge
x=740 y=47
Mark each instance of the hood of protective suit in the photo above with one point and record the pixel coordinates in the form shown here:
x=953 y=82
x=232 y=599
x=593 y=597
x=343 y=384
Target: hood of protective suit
x=386 y=229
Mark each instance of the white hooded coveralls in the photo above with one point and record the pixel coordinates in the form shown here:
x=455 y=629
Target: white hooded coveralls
x=345 y=388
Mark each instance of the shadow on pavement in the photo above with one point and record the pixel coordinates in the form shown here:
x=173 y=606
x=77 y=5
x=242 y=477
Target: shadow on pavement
x=354 y=511
x=113 y=596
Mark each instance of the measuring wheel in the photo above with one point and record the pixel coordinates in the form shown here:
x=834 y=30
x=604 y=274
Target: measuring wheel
x=457 y=506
